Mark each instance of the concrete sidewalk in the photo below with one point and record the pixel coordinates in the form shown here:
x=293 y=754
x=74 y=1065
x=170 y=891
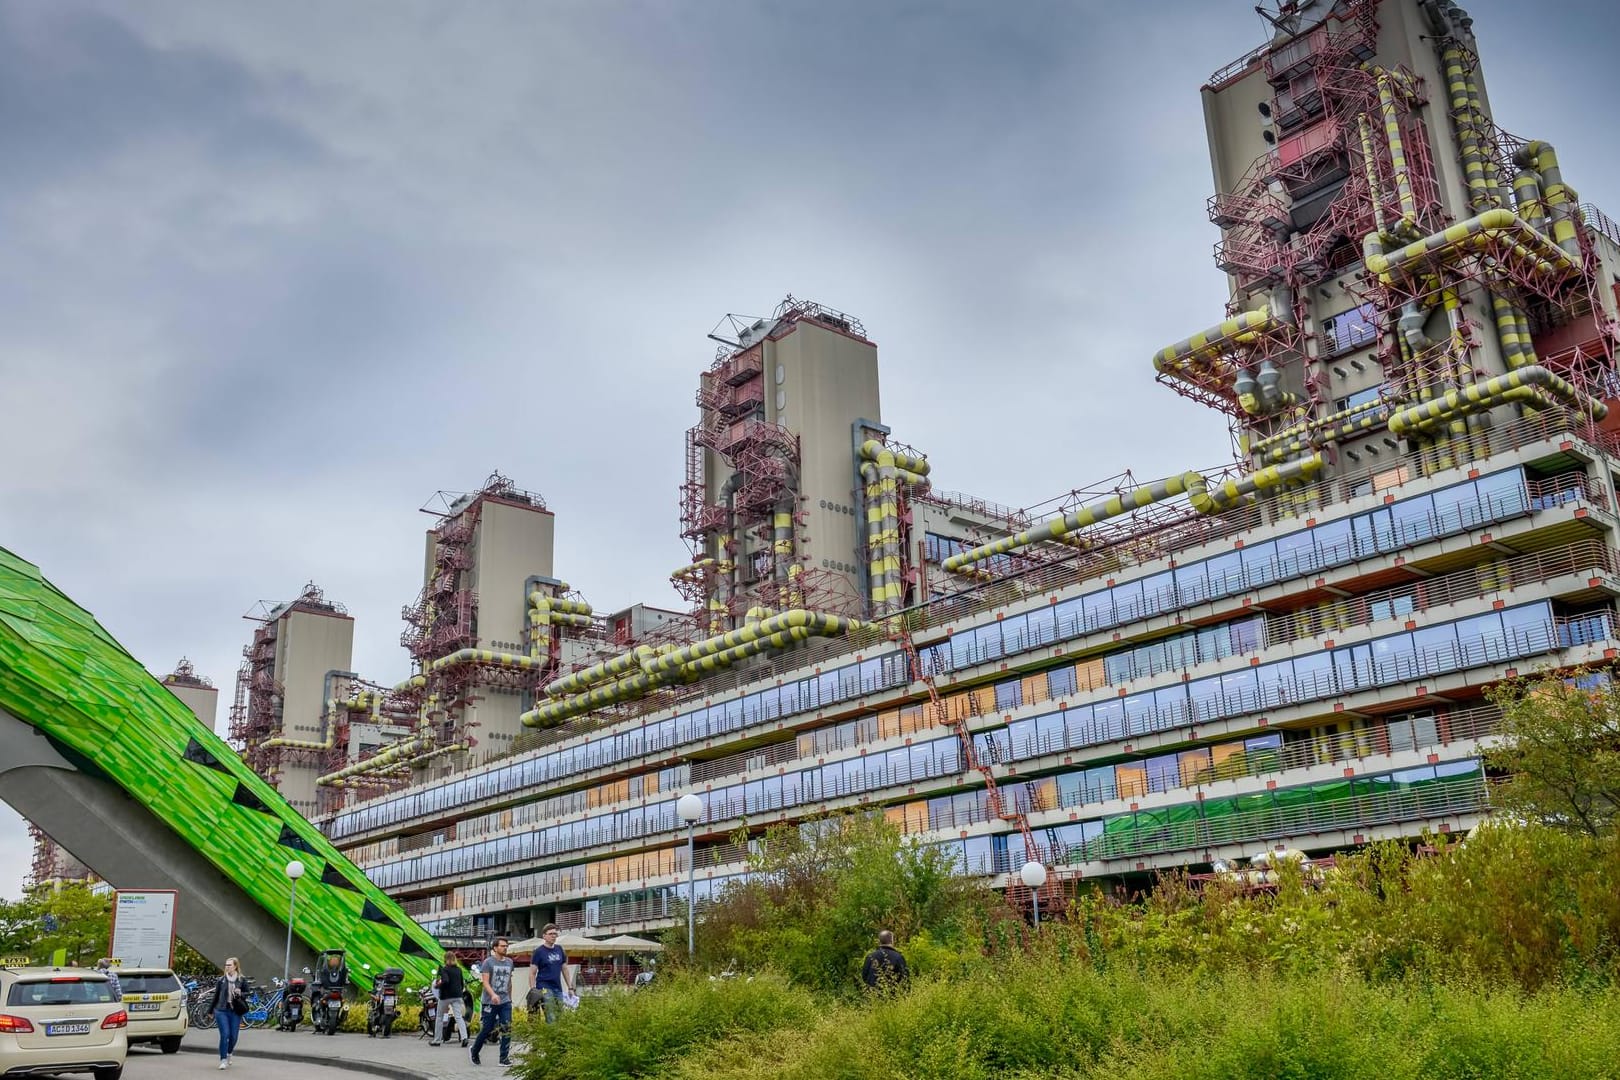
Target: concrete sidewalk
x=403 y=1056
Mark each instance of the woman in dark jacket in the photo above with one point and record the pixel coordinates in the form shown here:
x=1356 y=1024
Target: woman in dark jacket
x=230 y=994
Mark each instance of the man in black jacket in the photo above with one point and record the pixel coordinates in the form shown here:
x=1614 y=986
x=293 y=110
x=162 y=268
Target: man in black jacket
x=452 y=984
x=885 y=969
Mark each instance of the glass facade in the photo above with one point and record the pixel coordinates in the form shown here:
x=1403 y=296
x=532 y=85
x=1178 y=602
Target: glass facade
x=1526 y=630
x=1446 y=511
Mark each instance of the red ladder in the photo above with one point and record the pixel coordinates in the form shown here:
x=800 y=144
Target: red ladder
x=998 y=807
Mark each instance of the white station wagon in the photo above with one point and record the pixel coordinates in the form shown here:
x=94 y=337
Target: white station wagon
x=55 y=1020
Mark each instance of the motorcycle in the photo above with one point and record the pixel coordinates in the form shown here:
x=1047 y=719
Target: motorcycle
x=326 y=1006
x=427 y=1016
x=383 y=1007
x=291 y=1013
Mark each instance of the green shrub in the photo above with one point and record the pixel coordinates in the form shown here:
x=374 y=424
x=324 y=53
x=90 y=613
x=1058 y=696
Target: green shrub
x=643 y=1033
x=818 y=895
x=1044 y=1017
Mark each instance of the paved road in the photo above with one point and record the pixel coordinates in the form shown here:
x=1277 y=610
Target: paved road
x=261 y=1054
x=148 y=1064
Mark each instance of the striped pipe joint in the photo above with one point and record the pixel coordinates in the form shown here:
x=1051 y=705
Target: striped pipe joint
x=1562 y=204
x=487 y=657
x=607 y=669
x=1208 y=347
x=1297 y=431
x=1497 y=226
x=1369 y=162
x=1478 y=397
x=1397 y=151
x=1467 y=134
x=687 y=664
x=1201 y=496
x=884 y=470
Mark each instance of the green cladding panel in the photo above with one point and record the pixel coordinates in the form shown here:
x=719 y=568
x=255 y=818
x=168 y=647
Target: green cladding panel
x=65 y=675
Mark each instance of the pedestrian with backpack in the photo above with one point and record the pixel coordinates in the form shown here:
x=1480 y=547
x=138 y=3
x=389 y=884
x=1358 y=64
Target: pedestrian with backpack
x=885 y=969
x=452 y=986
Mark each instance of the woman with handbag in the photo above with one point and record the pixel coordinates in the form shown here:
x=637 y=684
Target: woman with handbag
x=230 y=1002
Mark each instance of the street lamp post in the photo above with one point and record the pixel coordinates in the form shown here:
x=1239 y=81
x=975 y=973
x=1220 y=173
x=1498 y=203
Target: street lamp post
x=295 y=870
x=690 y=809
x=1033 y=875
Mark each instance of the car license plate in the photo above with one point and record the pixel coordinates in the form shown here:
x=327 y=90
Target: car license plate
x=388 y=999
x=68 y=1029
x=145 y=1006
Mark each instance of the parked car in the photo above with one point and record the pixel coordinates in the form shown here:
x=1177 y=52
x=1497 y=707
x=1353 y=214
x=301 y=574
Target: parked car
x=156 y=1003
x=55 y=1020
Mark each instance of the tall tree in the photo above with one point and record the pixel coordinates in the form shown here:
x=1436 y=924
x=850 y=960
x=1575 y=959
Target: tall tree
x=1560 y=749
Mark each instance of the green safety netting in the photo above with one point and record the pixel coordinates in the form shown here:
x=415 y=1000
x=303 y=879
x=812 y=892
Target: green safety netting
x=62 y=673
x=1328 y=804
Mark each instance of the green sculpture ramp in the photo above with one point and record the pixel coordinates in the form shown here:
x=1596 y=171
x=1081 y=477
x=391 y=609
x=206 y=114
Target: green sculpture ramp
x=64 y=675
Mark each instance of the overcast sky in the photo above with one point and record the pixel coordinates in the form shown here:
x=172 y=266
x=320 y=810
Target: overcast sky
x=273 y=274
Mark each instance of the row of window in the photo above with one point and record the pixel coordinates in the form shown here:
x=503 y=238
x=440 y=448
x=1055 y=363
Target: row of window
x=1360 y=802
x=841 y=684
x=1491 y=638
x=870 y=772
x=1401 y=524
x=584 y=800
x=1453 y=509
x=1195 y=646
x=1259 y=817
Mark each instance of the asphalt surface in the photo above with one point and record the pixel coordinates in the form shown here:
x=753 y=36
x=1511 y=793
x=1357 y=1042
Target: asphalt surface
x=261 y=1054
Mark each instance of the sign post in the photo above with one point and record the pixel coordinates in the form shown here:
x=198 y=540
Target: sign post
x=143 y=928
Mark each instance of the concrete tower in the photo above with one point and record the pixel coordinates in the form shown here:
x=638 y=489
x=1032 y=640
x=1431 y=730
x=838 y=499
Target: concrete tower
x=1388 y=247
x=770 y=505
x=279 y=715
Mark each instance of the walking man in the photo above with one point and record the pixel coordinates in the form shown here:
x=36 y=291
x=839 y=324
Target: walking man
x=550 y=964
x=495 y=973
x=885 y=969
x=451 y=984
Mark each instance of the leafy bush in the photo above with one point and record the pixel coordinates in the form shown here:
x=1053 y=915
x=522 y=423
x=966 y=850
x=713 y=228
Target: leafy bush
x=1041 y=1017
x=818 y=895
x=624 y=1035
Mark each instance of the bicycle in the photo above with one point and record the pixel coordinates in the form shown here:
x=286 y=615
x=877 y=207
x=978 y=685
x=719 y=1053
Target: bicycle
x=261 y=1006
x=199 y=1002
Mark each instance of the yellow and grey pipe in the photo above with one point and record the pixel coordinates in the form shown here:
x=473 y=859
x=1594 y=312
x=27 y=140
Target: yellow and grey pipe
x=1561 y=202
x=782 y=548
x=1370 y=163
x=1387 y=88
x=883 y=471
x=1201 y=495
x=1534 y=385
x=693 y=662
x=1495 y=226
x=1204 y=350
x=403 y=752
x=1463 y=116
x=596 y=673
x=1372 y=416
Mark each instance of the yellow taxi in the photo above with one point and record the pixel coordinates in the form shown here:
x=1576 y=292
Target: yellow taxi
x=156 y=1003
x=56 y=1020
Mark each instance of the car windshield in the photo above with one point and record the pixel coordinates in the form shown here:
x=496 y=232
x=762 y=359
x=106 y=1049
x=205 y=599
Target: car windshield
x=60 y=991
x=149 y=983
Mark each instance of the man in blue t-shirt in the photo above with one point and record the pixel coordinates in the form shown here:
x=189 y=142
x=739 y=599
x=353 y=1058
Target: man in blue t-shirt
x=549 y=967
x=496 y=975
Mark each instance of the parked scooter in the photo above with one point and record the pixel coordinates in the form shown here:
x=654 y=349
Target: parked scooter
x=383 y=1008
x=291 y=1013
x=326 y=1006
x=427 y=1017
